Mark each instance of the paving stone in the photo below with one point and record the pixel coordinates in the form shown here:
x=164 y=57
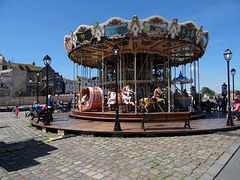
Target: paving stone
x=85 y=157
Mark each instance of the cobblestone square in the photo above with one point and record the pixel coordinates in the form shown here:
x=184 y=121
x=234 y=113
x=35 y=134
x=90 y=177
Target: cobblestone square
x=28 y=153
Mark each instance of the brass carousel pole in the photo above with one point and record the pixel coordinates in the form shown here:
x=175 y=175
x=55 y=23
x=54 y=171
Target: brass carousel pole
x=199 y=98
x=185 y=75
x=195 y=77
x=120 y=68
x=169 y=86
x=90 y=74
x=102 y=81
x=77 y=79
x=81 y=85
x=191 y=86
x=124 y=73
x=73 y=85
x=135 y=77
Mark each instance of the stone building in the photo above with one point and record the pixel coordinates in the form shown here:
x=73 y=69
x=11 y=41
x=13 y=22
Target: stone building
x=18 y=79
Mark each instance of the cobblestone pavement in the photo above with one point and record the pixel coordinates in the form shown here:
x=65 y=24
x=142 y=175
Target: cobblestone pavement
x=28 y=153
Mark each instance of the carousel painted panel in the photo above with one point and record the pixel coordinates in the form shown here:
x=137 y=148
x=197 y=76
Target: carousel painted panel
x=155 y=27
x=84 y=34
x=115 y=27
x=120 y=30
x=188 y=32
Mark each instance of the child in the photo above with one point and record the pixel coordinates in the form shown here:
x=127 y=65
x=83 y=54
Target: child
x=16 y=111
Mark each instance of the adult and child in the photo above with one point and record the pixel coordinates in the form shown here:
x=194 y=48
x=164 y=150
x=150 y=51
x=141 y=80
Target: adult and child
x=47 y=109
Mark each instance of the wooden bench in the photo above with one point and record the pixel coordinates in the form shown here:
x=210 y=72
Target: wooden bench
x=166 y=117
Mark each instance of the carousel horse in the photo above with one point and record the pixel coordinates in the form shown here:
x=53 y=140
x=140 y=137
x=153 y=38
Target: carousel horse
x=146 y=102
x=124 y=96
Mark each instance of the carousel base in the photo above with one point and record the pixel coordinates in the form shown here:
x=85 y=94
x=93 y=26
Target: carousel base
x=111 y=115
x=99 y=124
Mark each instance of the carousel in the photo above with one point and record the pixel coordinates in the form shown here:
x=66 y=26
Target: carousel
x=138 y=59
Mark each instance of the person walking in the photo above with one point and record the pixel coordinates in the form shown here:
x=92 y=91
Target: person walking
x=16 y=111
x=50 y=107
x=224 y=104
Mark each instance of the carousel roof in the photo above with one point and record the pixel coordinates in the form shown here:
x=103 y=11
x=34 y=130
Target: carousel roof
x=180 y=42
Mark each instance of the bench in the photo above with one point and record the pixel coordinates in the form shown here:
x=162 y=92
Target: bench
x=40 y=117
x=166 y=117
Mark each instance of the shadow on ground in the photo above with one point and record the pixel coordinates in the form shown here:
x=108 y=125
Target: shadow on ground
x=22 y=155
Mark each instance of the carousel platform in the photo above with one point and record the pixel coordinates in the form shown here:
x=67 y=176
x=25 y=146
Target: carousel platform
x=65 y=123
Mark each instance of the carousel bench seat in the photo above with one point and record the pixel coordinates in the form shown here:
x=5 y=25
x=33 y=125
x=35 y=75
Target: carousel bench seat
x=166 y=117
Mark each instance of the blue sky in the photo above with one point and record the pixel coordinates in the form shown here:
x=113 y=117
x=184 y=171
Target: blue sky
x=31 y=29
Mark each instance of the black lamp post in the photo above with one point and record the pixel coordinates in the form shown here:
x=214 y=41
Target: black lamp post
x=228 y=55
x=38 y=74
x=47 y=62
x=233 y=72
x=115 y=51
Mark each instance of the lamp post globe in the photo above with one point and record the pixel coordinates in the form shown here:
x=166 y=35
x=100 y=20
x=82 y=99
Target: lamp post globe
x=233 y=72
x=228 y=56
x=47 y=61
x=115 y=52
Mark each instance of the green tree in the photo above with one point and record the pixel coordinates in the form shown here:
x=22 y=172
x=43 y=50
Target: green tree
x=206 y=90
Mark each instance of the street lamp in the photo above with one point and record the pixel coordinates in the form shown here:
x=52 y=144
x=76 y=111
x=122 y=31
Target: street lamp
x=38 y=74
x=115 y=52
x=228 y=55
x=233 y=72
x=47 y=62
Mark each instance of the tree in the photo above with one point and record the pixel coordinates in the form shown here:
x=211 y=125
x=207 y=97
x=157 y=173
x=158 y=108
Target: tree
x=206 y=90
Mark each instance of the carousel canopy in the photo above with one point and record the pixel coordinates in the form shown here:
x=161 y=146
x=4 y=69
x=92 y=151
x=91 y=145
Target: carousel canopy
x=180 y=42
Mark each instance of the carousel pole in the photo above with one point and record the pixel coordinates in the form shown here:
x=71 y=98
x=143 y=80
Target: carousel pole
x=191 y=85
x=102 y=81
x=151 y=68
x=90 y=74
x=185 y=75
x=195 y=76
x=135 y=77
x=195 y=83
x=81 y=85
x=124 y=73
x=169 y=93
x=199 y=98
x=105 y=74
x=99 y=75
x=120 y=72
x=73 y=85
x=77 y=79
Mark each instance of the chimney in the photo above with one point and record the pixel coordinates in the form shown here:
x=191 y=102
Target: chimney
x=33 y=63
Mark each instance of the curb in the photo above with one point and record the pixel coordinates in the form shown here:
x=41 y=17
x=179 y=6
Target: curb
x=216 y=168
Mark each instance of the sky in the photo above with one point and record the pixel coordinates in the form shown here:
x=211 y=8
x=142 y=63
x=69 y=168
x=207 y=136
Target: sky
x=31 y=29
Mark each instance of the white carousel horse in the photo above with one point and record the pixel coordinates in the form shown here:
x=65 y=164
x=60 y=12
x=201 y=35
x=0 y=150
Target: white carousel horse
x=146 y=102
x=125 y=95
